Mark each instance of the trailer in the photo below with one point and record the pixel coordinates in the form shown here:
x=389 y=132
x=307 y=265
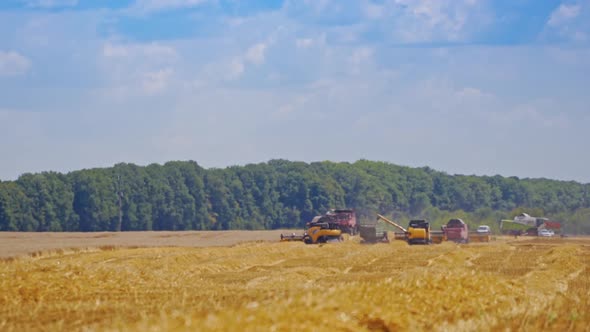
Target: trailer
x=372 y=233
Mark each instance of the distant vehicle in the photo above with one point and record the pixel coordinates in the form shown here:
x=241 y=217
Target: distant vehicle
x=546 y=233
x=484 y=229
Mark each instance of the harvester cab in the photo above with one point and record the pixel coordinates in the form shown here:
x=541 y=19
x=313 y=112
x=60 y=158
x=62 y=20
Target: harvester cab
x=418 y=232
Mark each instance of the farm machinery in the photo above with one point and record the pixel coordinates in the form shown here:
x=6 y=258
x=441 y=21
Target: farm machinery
x=316 y=232
x=343 y=219
x=329 y=227
x=456 y=230
x=524 y=224
x=322 y=233
x=418 y=232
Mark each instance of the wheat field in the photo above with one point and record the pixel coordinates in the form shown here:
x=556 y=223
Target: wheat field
x=505 y=285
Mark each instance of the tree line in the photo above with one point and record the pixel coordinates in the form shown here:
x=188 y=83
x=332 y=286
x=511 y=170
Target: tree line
x=181 y=195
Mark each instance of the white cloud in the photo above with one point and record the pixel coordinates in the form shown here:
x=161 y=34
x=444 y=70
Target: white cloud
x=255 y=54
x=308 y=42
x=569 y=22
x=361 y=55
x=217 y=72
x=417 y=21
x=13 y=64
x=303 y=42
x=146 y=6
x=316 y=6
x=471 y=93
x=563 y=14
x=167 y=77
x=427 y=18
x=235 y=70
x=51 y=3
x=373 y=11
x=110 y=50
x=152 y=50
x=156 y=81
x=399 y=21
x=138 y=69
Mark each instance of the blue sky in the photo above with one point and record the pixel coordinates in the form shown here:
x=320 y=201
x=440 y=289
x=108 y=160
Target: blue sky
x=463 y=86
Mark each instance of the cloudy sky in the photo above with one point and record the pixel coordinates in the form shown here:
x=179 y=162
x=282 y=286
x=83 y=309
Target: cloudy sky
x=463 y=86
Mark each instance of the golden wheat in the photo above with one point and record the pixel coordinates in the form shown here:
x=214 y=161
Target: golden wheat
x=503 y=285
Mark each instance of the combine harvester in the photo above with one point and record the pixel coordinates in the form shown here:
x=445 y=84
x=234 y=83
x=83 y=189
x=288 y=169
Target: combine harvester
x=418 y=232
x=329 y=227
x=343 y=219
x=524 y=224
x=456 y=230
x=316 y=233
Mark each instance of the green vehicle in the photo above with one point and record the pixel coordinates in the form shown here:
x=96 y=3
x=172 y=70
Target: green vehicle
x=525 y=224
x=514 y=228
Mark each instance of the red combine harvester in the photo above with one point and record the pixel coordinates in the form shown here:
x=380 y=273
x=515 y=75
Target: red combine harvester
x=343 y=219
x=456 y=230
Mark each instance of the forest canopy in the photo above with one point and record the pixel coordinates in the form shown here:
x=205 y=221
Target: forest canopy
x=181 y=195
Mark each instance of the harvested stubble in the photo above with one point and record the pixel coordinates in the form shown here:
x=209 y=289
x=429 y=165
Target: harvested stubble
x=530 y=286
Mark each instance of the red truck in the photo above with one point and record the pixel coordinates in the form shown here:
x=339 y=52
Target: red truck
x=343 y=219
x=457 y=231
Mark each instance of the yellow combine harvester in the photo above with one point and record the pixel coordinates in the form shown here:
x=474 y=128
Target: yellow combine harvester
x=418 y=231
x=316 y=233
x=322 y=233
